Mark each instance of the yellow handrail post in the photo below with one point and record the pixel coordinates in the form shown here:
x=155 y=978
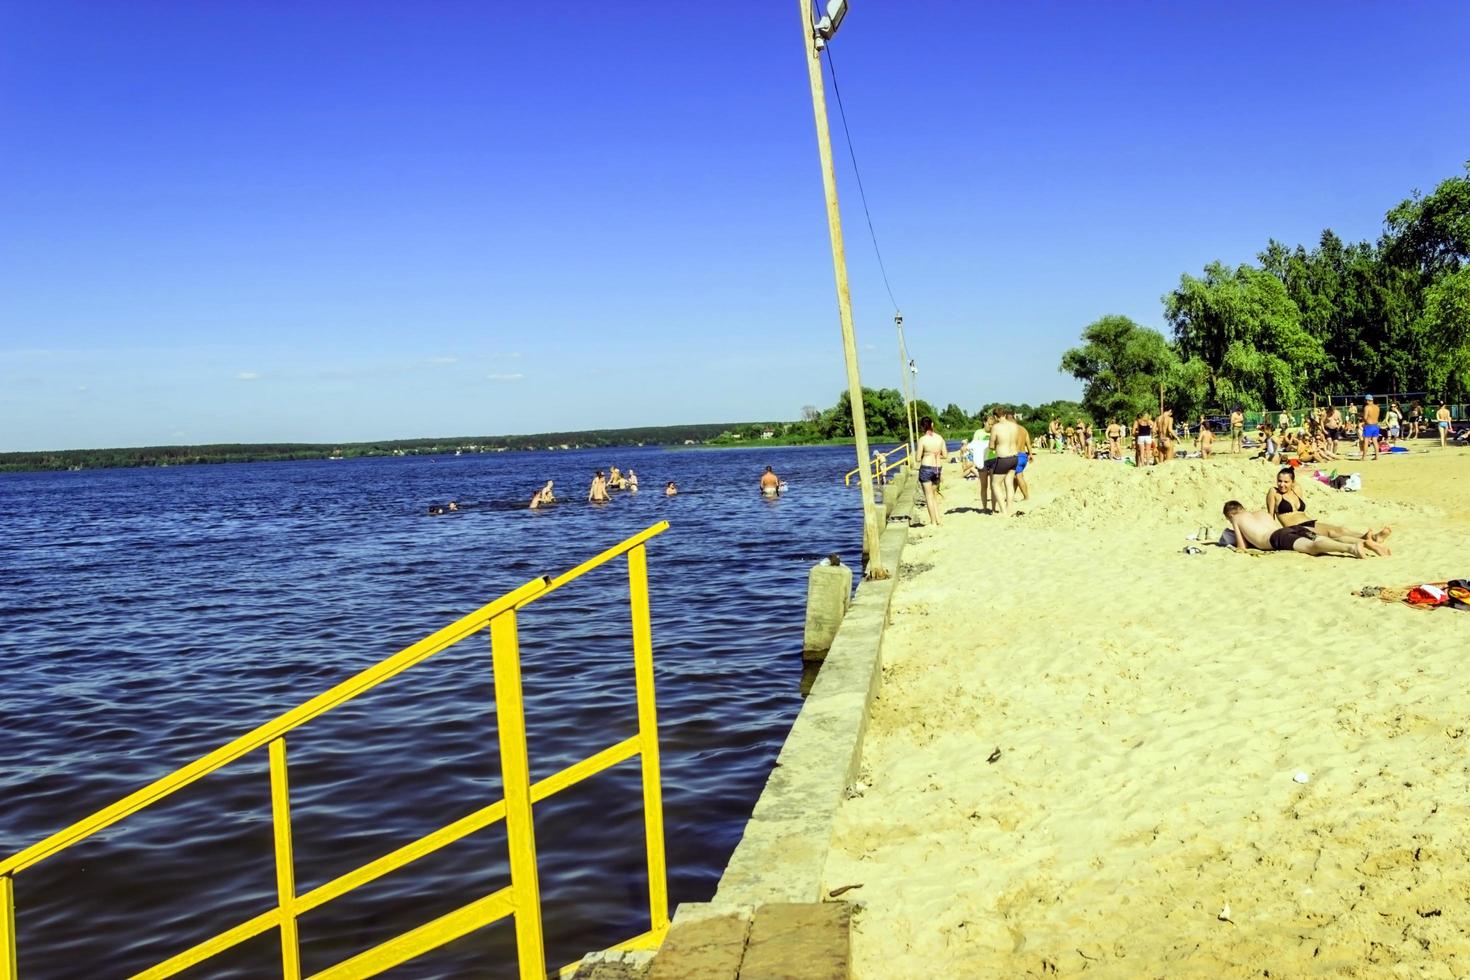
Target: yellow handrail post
x=285 y=861
x=8 y=968
x=515 y=768
x=653 y=806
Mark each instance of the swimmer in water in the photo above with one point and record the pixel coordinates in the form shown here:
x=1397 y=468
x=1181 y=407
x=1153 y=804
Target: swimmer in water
x=542 y=497
x=454 y=505
x=632 y=481
x=435 y=510
x=670 y=490
x=770 y=483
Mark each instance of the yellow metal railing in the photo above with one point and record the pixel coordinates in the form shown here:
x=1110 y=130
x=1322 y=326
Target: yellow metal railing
x=521 y=899
x=873 y=465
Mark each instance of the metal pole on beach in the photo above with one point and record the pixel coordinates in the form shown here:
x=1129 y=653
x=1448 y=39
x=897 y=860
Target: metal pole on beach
x=903 y=387
x=872 y=520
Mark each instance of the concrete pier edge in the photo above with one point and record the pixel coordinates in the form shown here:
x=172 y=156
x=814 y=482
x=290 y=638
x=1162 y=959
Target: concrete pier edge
x=782 y=854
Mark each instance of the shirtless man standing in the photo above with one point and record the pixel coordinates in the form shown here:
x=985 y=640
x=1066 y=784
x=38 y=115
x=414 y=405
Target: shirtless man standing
x=1005 y=437
x=1371 y=432
x=597 y=493
x=770 y=483
x=932 y=450
x=1258 y=529
x=1023 y=458
x=1237 y=429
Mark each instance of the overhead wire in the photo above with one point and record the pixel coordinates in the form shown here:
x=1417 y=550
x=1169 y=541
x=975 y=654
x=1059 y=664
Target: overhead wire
x=862 y=193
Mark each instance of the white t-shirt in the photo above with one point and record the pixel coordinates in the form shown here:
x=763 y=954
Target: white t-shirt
x=979 y=445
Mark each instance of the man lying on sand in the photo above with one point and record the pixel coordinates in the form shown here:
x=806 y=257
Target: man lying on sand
x=1258 y=529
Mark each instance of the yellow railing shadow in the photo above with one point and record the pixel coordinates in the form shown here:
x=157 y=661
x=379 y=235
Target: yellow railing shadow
x=521 y=899
x=873 y=465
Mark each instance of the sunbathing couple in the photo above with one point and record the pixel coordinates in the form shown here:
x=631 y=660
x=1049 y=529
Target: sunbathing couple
x=1284 y=526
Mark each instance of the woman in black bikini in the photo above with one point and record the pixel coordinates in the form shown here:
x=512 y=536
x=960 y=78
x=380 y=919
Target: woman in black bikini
x=1285 y=503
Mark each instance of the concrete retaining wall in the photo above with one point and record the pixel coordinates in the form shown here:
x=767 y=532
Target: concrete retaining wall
x=783 y=853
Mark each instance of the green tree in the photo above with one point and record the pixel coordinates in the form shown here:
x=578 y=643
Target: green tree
x=953 y=418
x=1428 y=246
x=1121 y=366
x=1246 y=334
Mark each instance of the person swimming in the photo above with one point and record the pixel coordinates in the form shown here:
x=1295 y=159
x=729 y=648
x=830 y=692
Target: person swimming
x=671 y=489
x=543 y=497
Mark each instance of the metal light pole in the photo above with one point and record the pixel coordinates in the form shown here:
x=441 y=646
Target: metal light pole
x=903 y=386
x=872 y=519
x=914 y=391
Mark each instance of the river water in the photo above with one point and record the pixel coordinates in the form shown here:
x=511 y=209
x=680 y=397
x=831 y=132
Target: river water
x=152 y=615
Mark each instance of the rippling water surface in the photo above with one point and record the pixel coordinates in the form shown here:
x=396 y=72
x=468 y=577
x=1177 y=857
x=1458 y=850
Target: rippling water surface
x=152 y=615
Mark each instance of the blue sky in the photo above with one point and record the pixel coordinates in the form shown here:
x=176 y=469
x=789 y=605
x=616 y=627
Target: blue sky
x=262 y=221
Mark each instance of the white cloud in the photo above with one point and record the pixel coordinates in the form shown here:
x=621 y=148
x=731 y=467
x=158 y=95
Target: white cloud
x=505 y=377
x=247 y=376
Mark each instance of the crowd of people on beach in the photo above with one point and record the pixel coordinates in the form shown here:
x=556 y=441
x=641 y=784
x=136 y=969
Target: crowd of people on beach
x=997 y=456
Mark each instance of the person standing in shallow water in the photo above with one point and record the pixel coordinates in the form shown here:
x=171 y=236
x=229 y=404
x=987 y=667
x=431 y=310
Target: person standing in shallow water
x=932 y=450
x=770 y=483
x=597 y=493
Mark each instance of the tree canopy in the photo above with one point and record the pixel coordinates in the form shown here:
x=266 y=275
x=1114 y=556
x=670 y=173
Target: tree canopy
x=1303 y=324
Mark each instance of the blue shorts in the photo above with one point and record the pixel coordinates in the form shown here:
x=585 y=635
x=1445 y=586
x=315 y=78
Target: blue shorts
x=929 y=474
x=1021 y=462
x=1371 y=432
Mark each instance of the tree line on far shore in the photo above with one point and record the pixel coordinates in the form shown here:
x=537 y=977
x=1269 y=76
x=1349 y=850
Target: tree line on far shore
x=1303 y=325
x=66 y=459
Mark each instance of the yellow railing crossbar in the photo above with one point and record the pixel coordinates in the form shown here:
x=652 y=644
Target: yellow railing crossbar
x=521 y=899
x=431 y=935
x=225 y=754
x=591 y=563
x=392 y=861
x=873 y=465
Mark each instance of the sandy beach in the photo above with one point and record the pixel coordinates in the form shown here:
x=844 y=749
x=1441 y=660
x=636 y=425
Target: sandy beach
x=1210 y=765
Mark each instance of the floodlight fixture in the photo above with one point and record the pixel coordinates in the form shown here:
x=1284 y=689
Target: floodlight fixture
x=831 y=20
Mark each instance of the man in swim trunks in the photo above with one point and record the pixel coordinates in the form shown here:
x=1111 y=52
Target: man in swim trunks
x=1023 y=457
x=1257 y=529
x=1006 y=438
x=932 y=450
x=770 y=484
x=1370 y=432
x=1442 y=419
x=980 y=447
x=1237 y=430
